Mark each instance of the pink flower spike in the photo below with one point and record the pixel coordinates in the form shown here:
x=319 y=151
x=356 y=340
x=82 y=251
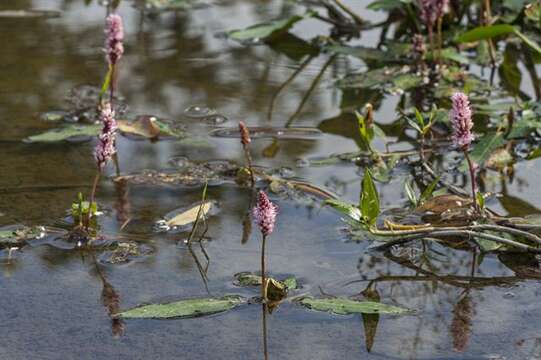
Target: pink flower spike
x=114 y=37
x=106 y=147
x=461 y=120
x=265 y=213
x=432 y=10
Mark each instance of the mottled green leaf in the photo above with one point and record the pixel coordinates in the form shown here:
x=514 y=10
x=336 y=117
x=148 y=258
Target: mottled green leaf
x=369 y=203
x=343 y=306
x=65 y=133
x=183 y=308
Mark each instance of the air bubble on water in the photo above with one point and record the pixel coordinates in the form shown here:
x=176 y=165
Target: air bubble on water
x=217 y=119
x=286 y=172
x=197 y=111
x=179 y=161
x=509 y=295
x=302 y=163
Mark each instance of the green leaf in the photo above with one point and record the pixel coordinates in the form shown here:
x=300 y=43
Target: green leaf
x=491 y=31
x=427 y=193
x=343 y=306
x=485 y=32
x=410 y=193
x=65 y=133
x=369 y=199
x=267 y=31
x=106 y=82
x=183 y=308
x=345 y=208
x=387 y=5
x=482 y=149
x=480 y=200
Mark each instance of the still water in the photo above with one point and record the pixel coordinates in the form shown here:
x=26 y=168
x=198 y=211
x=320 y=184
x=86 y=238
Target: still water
x=55 y=300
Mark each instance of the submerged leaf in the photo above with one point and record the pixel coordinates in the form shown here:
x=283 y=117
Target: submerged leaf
x=343 y=306
x=183 y=308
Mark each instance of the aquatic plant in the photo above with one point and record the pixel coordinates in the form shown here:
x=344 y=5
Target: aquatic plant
x=460 y=116
x=106 y=146
x=265 y=216
x=114 y=31
x=245 y=140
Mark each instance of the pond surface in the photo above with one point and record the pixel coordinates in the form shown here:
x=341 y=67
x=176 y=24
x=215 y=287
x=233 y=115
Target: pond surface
x=178 y=67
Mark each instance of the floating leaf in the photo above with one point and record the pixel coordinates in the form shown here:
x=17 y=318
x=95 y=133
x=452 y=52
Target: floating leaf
x=190 y=215
x=28 y=13
x=343 y=306
x=183 y=308
x=267 y=31
x=162 y=5
x=301 y=133
x=65 y=133
x=147 y=126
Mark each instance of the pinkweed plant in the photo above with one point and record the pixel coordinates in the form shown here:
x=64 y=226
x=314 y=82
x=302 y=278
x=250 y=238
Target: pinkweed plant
x=432 y=12
x=106 y=147
x=462 y=123
x=265 y=216
x=245 y=140
x=114 y=47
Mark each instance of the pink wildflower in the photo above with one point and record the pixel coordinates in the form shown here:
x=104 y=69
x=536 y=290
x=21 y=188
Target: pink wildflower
x=419 y=44
x=461 y=120
x=114 y=36
x=432 y=10
x=265 y=214
x=244 y=134
x=106 y=146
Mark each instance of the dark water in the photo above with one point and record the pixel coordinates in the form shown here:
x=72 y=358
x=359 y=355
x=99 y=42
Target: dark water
x=52 y=298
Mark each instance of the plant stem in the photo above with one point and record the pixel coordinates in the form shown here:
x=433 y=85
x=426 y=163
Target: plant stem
x=265 y=351
x=112 y=85
x=263 y=280
x=249 y=163
x=440 y=38
x=472 y=178
x=350 y=12
x=92 y=196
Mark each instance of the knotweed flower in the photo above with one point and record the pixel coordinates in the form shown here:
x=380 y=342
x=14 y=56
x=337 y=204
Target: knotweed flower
x=244 y=134
x=114 y=36
x=432 y=10
x=265 y=214
x=106 y=146
x=419 y=45
x=461 y=120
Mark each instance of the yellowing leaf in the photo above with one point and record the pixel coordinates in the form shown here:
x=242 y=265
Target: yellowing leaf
x=190 y=215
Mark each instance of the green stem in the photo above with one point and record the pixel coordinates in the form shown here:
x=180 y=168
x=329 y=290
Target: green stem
x=263 y=295
x=472 y=178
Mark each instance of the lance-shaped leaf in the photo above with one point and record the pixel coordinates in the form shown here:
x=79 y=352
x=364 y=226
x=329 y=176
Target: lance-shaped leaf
x=369 y=199
x=183 y=308
x=491 y=31
x=344 y=306
x=345 y=208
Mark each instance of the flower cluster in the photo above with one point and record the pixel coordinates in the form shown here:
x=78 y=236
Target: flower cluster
x=419 y=45
x=106 y=146
x=265 y=214
x=114 y=36
x=461 y=120
x=432 y=10
x=244 y=134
